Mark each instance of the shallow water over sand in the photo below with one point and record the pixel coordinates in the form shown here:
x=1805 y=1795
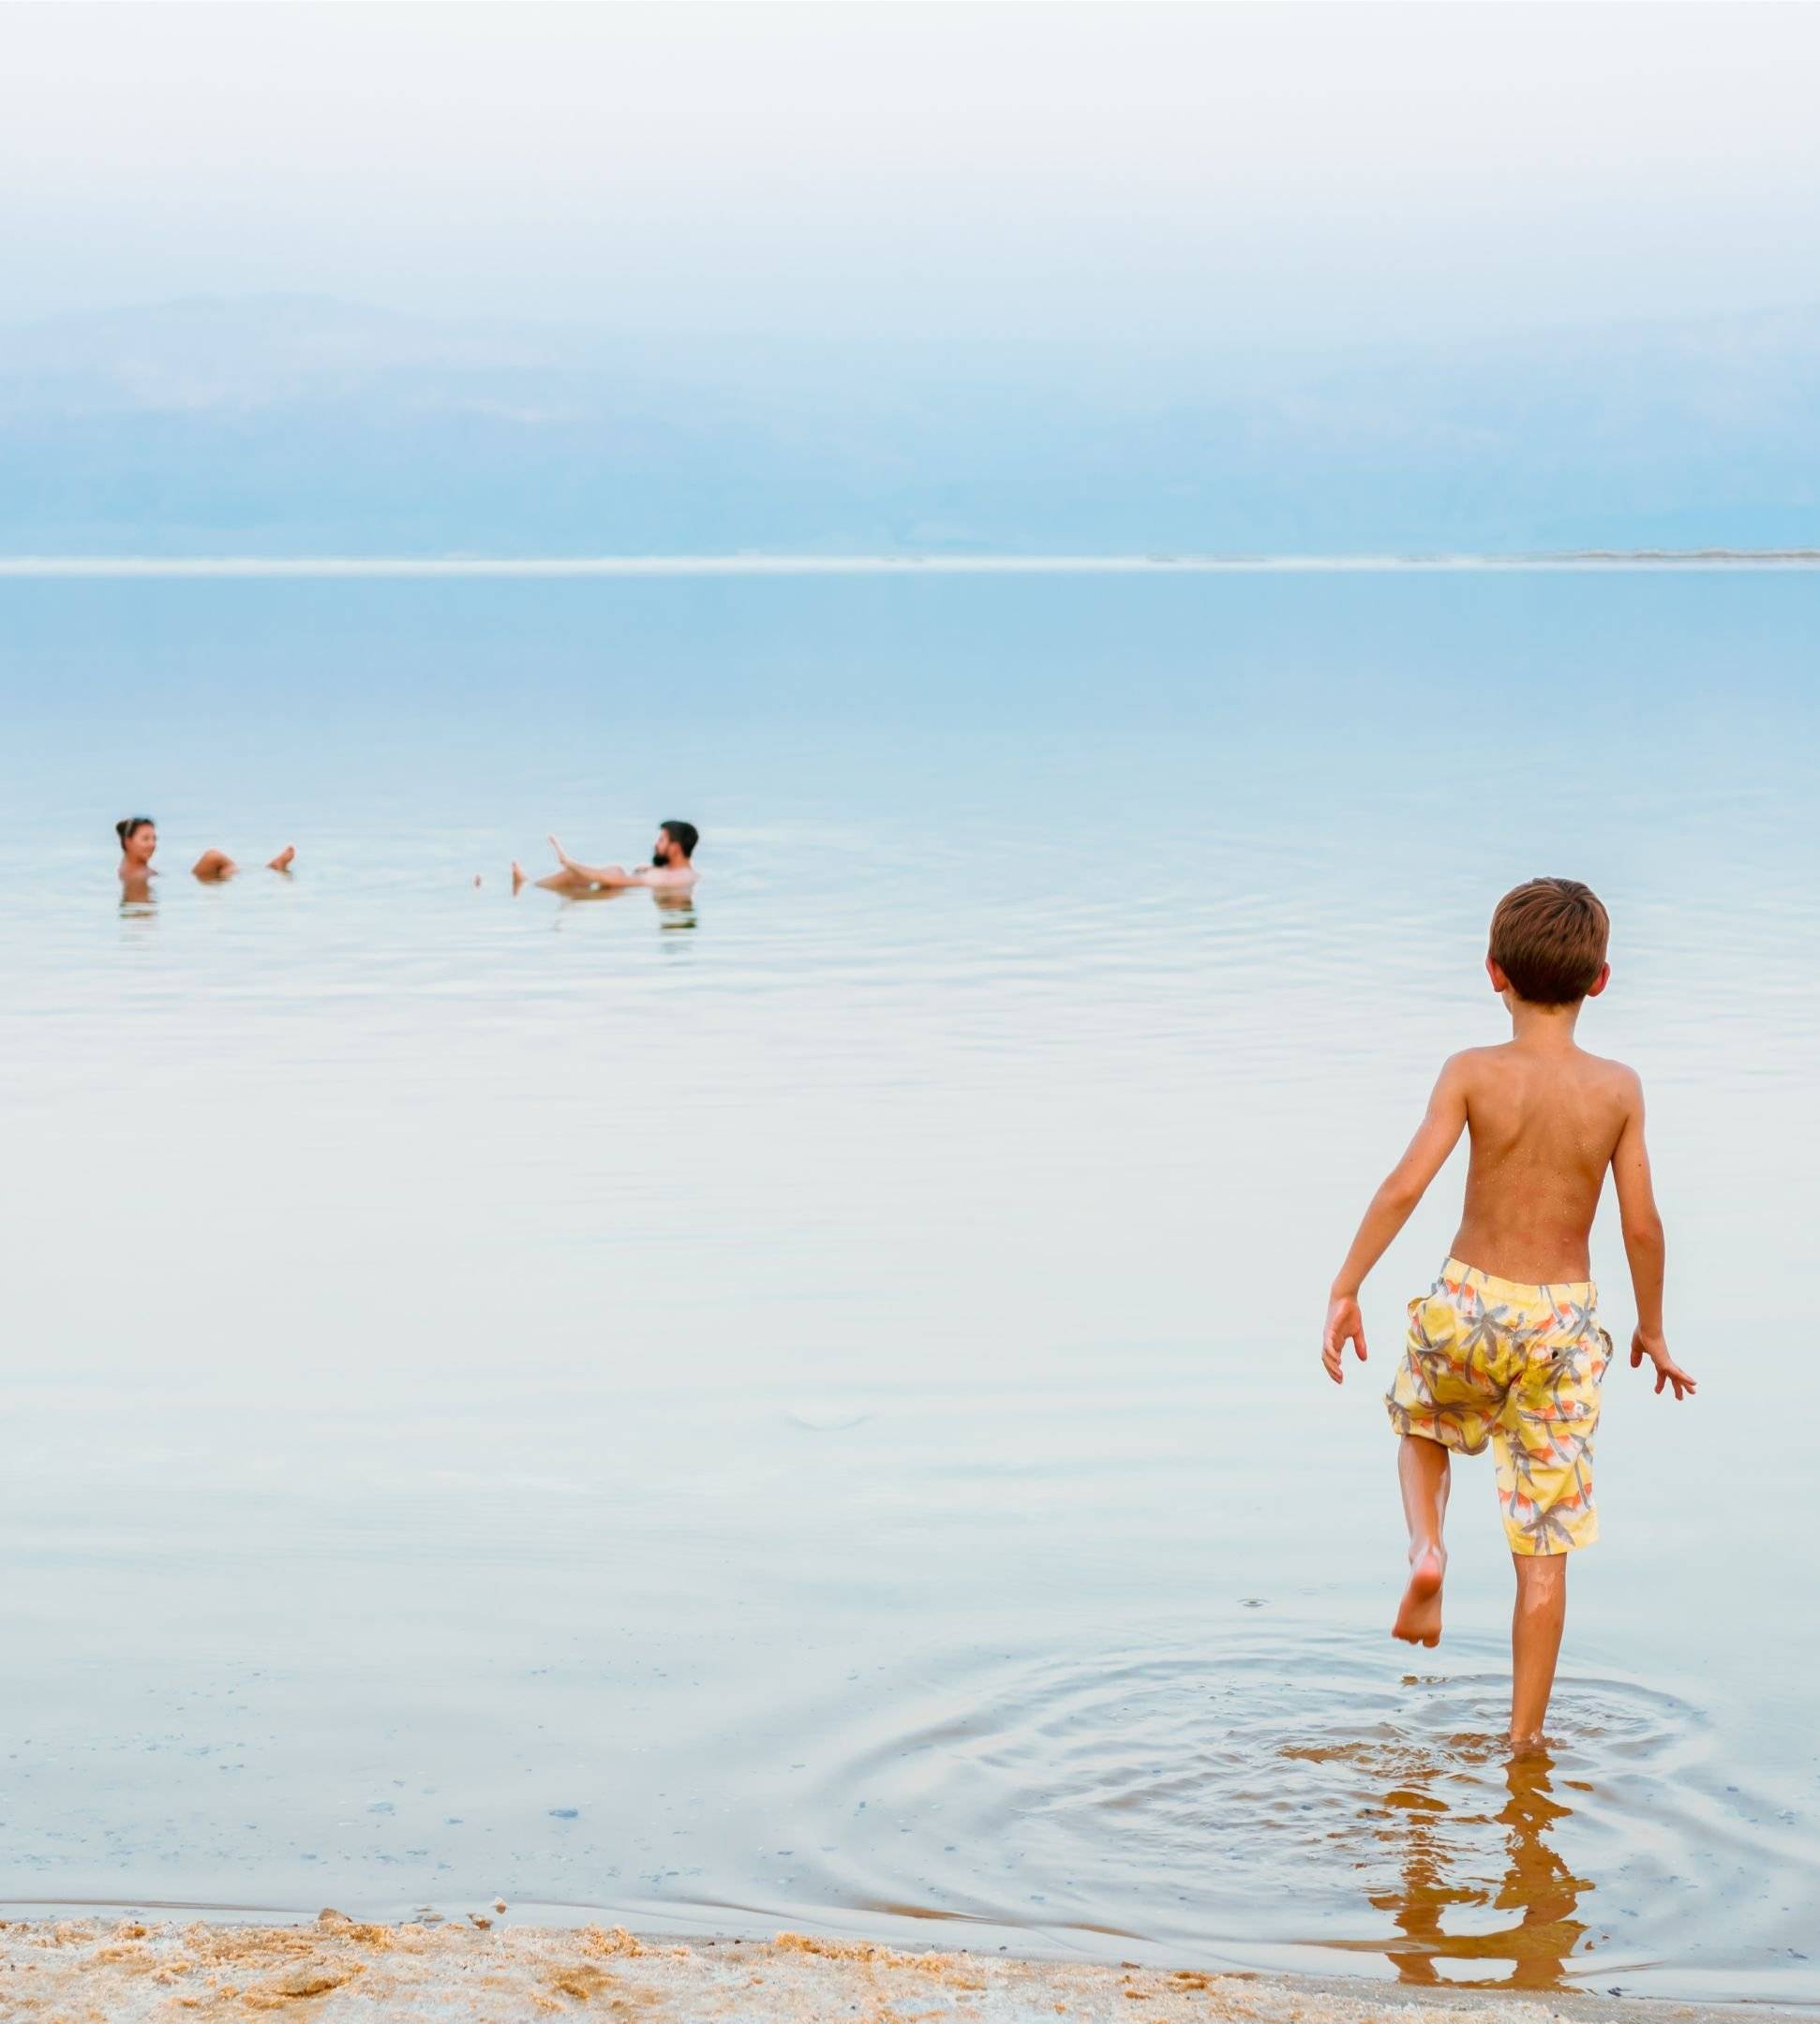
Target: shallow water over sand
x=803 y=1409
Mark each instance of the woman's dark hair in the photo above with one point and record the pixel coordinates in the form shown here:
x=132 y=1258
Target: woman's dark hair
x=124 y=829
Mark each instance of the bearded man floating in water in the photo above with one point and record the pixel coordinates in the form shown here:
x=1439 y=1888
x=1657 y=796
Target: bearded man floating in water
x=671 y=869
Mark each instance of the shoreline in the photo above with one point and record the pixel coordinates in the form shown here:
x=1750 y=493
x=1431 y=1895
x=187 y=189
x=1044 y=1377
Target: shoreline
x=1153 y=562
x=129 y=1970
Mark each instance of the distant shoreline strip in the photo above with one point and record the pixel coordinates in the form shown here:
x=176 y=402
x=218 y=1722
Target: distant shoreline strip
x=1592 y=559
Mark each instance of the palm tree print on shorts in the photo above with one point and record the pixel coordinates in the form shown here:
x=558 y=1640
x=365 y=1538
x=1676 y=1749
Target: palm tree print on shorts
x=1518 y=1368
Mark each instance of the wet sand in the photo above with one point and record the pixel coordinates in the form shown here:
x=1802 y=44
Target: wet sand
x=114 y=1970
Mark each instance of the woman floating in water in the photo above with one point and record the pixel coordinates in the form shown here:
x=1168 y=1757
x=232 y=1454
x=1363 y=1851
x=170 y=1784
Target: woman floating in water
x=138 y=839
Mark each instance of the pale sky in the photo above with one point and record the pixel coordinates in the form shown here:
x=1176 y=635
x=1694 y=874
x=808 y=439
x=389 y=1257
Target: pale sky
x=1302 y=172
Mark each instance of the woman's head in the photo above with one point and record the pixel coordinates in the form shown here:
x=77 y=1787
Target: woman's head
x=139 y=838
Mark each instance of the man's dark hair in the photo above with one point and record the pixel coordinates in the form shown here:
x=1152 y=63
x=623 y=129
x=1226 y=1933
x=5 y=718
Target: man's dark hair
x=1548 y=937
x=684 y=835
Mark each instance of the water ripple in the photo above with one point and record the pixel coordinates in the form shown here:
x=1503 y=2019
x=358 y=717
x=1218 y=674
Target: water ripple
x=1283 y=1789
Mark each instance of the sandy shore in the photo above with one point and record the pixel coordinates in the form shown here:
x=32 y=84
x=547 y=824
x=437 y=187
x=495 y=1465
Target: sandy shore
x=113 y=1971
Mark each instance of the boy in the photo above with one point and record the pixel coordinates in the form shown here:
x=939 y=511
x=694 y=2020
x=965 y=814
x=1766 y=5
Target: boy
x=1507 y=1345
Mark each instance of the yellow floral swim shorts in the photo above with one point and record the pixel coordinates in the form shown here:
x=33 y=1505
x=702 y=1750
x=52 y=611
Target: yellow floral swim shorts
x=1520 y=1366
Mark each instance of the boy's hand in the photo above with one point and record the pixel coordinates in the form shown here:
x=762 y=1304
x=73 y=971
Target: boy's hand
x=1345 y=1324
x=1667 y=1370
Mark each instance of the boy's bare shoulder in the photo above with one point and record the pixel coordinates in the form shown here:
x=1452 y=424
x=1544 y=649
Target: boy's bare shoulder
x=1473 y=1062
x=1619 y=1077
x=1491 y=1074
x=1503 y=1052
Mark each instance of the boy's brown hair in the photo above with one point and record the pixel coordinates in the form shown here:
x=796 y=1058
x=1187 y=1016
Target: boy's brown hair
x=1548 y=937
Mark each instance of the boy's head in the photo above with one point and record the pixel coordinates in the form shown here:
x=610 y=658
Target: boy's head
x=1548 y=942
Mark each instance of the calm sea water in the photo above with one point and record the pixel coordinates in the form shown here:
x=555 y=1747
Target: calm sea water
x=804 y=1409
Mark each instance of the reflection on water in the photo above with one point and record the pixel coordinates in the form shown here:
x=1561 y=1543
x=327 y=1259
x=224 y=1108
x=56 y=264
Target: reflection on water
x=1427 y=1820
x=1270 y=1784
x=676 y=910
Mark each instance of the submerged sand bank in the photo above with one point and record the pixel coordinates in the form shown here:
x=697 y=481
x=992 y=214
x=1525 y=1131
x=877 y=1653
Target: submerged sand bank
x=110 y=1970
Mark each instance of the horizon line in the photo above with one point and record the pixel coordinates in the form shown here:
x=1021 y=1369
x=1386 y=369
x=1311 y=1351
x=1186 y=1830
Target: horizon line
x=740 y=564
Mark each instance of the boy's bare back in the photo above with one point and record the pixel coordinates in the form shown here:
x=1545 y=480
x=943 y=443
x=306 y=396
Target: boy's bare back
x=1544 y=1124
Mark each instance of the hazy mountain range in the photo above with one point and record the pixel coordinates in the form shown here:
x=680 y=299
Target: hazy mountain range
x=293 y=425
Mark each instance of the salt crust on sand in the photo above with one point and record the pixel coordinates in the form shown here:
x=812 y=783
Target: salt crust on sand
x=341 y=1972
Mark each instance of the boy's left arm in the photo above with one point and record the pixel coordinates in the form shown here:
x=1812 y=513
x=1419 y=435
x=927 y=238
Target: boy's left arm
x=1643 y=1246
x=1391 y=1208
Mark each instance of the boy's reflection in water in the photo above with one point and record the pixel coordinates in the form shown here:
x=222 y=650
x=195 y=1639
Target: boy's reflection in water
x=1538 y=1888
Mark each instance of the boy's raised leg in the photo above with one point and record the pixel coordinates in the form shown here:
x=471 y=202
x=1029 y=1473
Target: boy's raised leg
x=1535 y=1642
x=1423 y=1470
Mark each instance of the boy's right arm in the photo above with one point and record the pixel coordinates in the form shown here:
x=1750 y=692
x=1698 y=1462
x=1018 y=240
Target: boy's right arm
x=1391 y=1208
x=1643 y=1246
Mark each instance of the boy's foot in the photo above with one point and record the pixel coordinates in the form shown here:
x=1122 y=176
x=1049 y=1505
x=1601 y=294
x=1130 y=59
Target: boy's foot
x=282 y=861
x=518 y=877
x=1418 y=1621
